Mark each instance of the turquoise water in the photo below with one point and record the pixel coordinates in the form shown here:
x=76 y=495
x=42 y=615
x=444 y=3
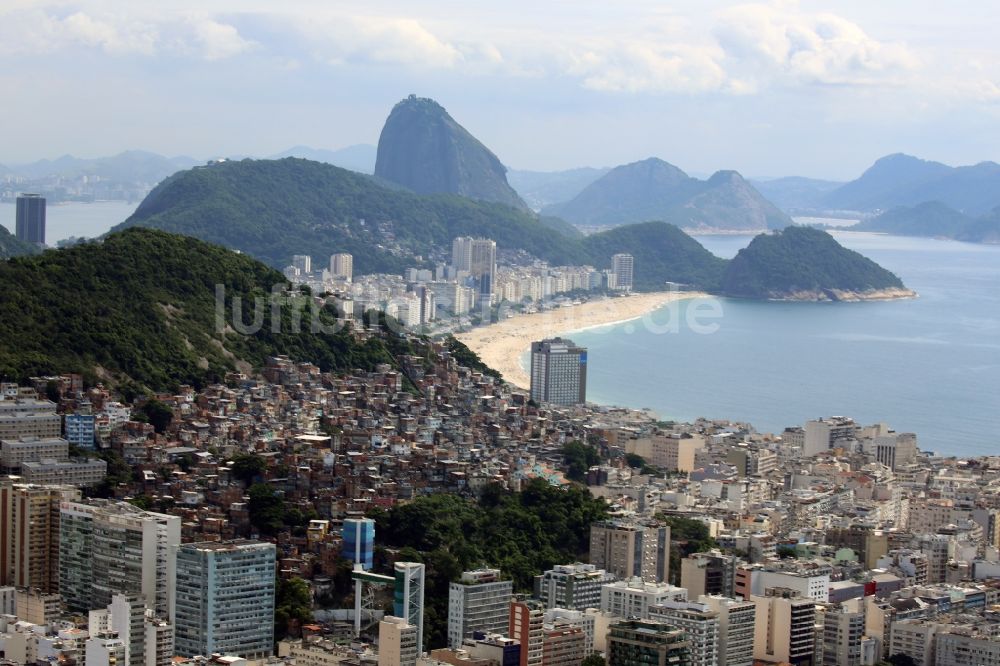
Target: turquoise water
x=929 y=365
x=74 y=219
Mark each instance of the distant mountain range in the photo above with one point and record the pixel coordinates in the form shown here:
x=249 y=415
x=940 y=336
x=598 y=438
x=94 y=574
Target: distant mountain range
x=424 y=149
x=132 y=166
x=936 y=220
x=892 y=181
x=360 y=157
x=656 y=190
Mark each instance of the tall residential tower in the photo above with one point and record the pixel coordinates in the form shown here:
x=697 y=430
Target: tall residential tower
x=558 y=372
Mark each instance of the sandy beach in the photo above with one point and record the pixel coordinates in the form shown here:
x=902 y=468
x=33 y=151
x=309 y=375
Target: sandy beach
x=501 y=345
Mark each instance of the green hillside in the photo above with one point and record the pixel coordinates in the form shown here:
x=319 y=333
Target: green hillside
x=11 y=246
x=273 y=209
x=797 y=260
x=140 y=307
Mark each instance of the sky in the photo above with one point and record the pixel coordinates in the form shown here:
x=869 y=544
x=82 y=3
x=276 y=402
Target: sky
x=817 y=89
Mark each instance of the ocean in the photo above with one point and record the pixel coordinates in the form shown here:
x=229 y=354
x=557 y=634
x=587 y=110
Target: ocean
x=74 y=219
x=930 y=365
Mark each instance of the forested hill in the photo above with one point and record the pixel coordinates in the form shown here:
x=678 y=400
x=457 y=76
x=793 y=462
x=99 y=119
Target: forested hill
x=273 y=209
x=139 y=309
x=801 y=263
x=12 y=246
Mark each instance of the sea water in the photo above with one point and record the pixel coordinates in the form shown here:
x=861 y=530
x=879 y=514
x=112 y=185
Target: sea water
x=929 y=365
x=83 y=220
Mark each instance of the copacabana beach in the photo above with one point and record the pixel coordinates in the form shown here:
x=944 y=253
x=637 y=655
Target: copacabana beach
x=502 y=345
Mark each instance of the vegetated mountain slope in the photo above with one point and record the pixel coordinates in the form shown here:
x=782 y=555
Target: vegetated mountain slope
x=544 y=188
x=903 y=180
x=936 y=220
x=12 y=246
x=661 y=252
x=276 y=209
x=139 y=309
x=801 y=263
x=422 y=148
x=656 y=190
x=927 y=219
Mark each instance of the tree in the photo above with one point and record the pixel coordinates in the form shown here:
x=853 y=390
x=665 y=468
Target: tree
x=687 y=536
x=52 y=391
x=579 y=458
x=593 y=659
x=267 y=509
x=159 y=415
x=247 y=467
x=292 y=606
x=900 y=659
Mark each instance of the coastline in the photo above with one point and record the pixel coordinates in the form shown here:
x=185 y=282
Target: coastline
x=502 y=344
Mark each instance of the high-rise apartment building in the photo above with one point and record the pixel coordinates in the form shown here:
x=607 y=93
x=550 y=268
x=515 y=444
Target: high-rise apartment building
x=646 y=643
x=342 y=266
x=562 y=644
x=359 y=542
x=225 y=598
x=30 y=223
x=478 y=602
x=708 y=573
x=408 y=596
x=630 y=550
x=824 y=434
x=27 y=417
x=476 y=256
x=108 y=548
x=558 y=372
x=398 y=642
x=896 y=450
x=572 y=586
x=148 y=641
x=736 y=629
x=621 y=266
x=634 y=598
x=700 y=624
x=843 y=631
x=527 y=628
x=29 y=534
x=785 y=627
x=303 y=262
x=81 y=430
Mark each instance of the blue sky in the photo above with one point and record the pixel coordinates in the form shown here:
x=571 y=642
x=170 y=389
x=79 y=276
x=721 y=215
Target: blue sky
x=769 y=89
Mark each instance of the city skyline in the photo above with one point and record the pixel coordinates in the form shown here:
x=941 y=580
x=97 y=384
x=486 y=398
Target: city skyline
x=742 y=86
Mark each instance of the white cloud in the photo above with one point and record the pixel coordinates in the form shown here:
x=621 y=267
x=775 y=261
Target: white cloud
x=30 y=30
x=127 y=37
x=340 y=39
x=648 y=67
x=216 y=40
x=780 y=42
